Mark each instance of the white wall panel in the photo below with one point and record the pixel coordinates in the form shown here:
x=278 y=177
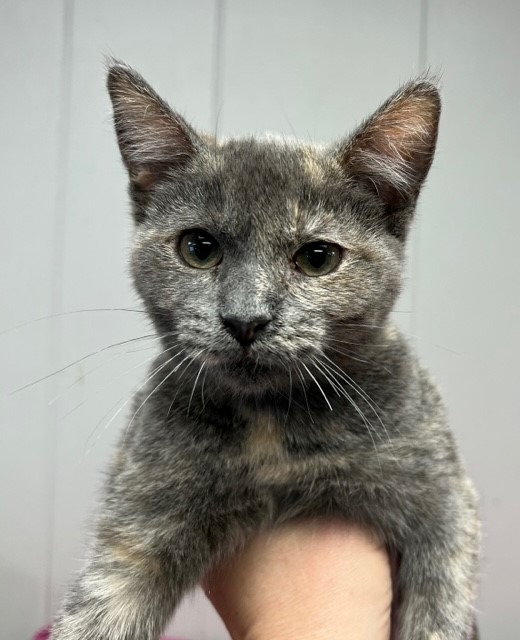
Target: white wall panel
x=30 y=51
x=313 y=69
x=468 y=284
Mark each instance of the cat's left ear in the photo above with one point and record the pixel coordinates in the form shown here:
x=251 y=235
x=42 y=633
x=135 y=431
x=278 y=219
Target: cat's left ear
x=391 y=153
x=152 y=138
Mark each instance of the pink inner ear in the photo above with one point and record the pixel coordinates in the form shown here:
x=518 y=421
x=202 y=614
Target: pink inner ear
x=145 y=179
x=404 y=130
x=393 y=151
x=151 y=136
x=154 y=141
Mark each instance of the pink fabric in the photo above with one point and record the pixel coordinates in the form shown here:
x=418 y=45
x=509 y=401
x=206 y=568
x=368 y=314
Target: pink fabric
x=45 y=633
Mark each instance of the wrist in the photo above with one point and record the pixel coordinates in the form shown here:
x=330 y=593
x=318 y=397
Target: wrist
x=321 y=579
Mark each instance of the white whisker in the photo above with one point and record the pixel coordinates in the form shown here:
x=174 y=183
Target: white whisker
x=369 y=427
x=194 y=386
x=190 y=361
x=300 y=375
x=203 y=400
x=128 y=399
x=52 y=316
x=356 y=387
x=99 y=391
x=83 y=358
x=318 y=385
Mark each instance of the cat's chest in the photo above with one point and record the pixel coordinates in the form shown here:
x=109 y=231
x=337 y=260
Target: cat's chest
x=265 y=455
x=270 y=459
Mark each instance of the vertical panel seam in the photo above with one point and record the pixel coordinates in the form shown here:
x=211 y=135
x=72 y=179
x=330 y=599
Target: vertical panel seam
x=423 y=35
x=217 y=70
x=422 y=62
x=56 y=274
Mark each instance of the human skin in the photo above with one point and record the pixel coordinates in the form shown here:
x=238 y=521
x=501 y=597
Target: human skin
x=323 y=579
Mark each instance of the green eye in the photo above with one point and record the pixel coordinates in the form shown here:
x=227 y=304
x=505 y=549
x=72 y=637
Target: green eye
x=199 y=249
x=318 y=258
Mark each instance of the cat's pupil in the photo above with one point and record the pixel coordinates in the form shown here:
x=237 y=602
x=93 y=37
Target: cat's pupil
x=201 y=247
x=317 y=256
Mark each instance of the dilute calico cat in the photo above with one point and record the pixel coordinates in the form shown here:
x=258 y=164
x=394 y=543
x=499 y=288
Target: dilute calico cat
x=269 y=269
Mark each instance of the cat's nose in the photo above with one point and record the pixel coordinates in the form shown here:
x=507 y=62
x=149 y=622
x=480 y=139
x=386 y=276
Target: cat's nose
x=245 y=331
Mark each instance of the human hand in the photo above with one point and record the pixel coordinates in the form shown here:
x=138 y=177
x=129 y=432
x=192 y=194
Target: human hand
x=323 y=579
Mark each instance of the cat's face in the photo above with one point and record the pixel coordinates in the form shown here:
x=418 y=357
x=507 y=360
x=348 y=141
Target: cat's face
x=260 y=257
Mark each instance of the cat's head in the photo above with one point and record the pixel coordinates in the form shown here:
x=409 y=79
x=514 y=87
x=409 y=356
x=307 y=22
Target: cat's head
x=258 y=257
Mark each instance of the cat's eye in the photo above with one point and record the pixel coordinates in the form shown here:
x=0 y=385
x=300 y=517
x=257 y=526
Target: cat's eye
x=318 y=258
x=199 y=249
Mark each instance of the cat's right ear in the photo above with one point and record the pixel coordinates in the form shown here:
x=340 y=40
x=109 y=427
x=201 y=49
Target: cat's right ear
x=153 y=139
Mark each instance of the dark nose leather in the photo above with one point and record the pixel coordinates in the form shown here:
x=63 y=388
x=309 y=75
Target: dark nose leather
x=245 y=331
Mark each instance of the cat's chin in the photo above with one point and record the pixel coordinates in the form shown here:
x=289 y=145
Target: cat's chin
x=247 y=376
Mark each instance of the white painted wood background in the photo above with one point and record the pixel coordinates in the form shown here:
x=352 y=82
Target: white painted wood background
x=307 y=68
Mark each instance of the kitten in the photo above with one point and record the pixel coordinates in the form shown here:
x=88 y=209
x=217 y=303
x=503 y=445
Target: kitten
x=269 y=269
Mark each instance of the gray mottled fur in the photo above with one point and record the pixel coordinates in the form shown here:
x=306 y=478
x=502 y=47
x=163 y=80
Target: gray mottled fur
x=327 y=412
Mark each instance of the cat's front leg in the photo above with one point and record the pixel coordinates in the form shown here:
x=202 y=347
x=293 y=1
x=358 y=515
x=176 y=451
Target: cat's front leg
x=152 y=545
x=437 y=575
x=132 y=583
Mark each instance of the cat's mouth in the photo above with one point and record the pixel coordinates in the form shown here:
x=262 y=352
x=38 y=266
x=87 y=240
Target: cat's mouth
x=248 y=371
